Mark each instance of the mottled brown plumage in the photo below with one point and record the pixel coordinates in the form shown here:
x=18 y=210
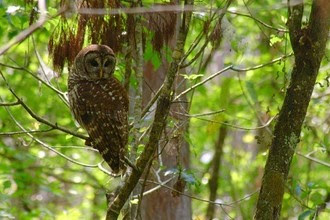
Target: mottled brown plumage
x=100 y=103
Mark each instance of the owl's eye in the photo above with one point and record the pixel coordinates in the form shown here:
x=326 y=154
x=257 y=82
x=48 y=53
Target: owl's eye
x=94 y=63
x=107 y=63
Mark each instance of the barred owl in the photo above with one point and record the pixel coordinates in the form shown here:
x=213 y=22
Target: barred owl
x=100 y=103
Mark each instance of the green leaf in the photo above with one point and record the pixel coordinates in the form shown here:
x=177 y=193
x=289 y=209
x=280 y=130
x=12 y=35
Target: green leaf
x=151 y=55
x=305 y=214
x=140 y=148
x=156 y=62
x=134 y=201
x=68 y=136
x=316 y=198
x=16 y=21
x=252 y=91
x=191 y=76
x=6 y=184
x=143 y=129
x=274 y=39
x=225 y=92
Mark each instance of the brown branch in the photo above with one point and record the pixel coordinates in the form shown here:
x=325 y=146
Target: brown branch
x=24 y=132
x=9 y=103
x=48 y=146
x=295 y=14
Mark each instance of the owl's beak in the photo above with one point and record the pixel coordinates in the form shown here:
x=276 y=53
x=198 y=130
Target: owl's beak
x=101 y=73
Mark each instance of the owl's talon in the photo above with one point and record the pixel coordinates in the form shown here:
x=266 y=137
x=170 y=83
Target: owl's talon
x=88 y=142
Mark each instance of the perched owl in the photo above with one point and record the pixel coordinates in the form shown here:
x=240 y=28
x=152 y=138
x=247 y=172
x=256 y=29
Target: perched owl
x=100 y=103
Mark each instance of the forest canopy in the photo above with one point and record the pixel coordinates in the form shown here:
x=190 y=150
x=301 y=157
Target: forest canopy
x=228 y=110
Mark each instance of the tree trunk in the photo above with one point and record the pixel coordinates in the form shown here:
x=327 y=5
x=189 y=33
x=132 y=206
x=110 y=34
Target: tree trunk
x=215 y=170
x=161 y=204
x=309 y=46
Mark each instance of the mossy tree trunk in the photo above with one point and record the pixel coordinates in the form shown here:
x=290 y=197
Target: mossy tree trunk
x=308 y=44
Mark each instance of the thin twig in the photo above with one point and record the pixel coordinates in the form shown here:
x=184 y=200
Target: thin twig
x=39 y=119
x=244 y=198
x=9 y=103
x=60 y=93
x=238 y=127
x=231 y=67
x=24 y=132
x=201 y=50
x=46 y=145
x=257 y=20
x=153 y=189
x=152 y=101
x=27 y=32
x=203 y=82
x=77 y=147
x=183 y=194
x=261 y=65
x=313 y=159
x=208 y=37
x=201 y=114
x=47 y=82
x=99 y=165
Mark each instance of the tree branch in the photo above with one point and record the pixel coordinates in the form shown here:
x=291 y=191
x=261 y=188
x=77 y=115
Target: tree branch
x=48 y=146
x=9 y=103
x=27 y=32
x=39 y=119
x=295 y=14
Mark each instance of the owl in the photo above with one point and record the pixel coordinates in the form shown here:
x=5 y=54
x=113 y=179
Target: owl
x=99 y=103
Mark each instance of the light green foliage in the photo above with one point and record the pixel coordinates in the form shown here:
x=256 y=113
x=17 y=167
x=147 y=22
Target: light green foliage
x=36 y=183
x=153 y=56
x=274 y=39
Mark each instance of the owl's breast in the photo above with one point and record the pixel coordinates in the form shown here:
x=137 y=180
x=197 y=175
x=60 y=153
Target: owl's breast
x=90 y=99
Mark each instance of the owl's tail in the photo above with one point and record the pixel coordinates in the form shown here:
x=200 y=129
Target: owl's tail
x=111 y=160
x=116 y=160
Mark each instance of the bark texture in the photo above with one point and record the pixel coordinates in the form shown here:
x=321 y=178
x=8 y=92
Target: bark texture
x=308 y=44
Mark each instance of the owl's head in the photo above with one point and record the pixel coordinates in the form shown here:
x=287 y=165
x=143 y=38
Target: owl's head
x=95 y=62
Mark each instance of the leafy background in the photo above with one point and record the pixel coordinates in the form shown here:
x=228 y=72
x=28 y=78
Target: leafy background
x=36 y=183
